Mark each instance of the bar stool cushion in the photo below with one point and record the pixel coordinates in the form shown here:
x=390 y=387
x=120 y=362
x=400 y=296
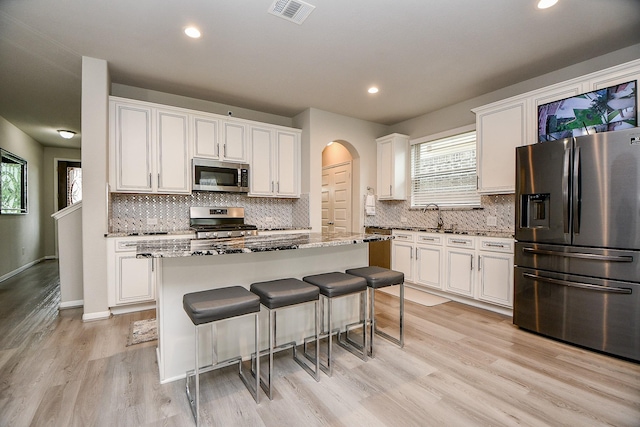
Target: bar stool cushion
x=378 y=277
x=217 y=304
x=283 y=292
x=337 y=284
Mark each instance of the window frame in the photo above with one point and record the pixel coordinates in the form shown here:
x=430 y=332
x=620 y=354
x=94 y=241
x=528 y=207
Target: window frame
x=15 y=159
x=472 y=202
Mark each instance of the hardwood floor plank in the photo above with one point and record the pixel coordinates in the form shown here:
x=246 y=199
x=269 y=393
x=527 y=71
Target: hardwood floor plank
x=461 y=366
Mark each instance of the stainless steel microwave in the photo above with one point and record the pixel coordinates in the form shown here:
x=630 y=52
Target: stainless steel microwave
x=213 y=175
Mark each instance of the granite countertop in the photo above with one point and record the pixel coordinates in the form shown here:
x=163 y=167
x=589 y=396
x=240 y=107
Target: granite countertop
x=483 y=233
x=171 y=248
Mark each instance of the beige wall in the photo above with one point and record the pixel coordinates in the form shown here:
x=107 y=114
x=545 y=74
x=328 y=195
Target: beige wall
x=358 y=136
x=20 y=235
x=50 y=157
x=95 y=119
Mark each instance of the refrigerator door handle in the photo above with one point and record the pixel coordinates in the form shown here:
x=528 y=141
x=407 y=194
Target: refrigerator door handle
x=565 y=188
x=577 y=284
x=593 y=257
x=576 y=191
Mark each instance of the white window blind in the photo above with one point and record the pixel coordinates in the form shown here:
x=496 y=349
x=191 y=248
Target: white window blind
x=443 y=171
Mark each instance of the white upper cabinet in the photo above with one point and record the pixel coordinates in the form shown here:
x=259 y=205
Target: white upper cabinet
x=261 y=175
x=288 y=163
x=172 y=154
x=130 y=148
x=149 y=150
x=275 y=162
x=205 y=131
x=234 y=141
x=393 y=161
x=500 y=129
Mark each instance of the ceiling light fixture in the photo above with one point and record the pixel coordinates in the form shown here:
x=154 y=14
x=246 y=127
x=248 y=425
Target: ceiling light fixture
x=373 y=90
x=66 y=134
x=192 y=32
x=544 y=4
x=330 y=142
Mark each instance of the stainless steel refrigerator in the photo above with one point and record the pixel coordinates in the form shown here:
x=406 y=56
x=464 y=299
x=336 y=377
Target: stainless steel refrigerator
x=577 y=255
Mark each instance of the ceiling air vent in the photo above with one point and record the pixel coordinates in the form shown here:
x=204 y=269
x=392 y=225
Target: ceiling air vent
x=291 y=10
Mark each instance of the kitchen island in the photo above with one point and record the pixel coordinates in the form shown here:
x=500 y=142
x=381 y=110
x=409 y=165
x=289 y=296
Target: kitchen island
x=189 y=265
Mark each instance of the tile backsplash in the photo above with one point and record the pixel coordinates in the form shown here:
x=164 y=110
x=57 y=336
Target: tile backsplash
x=500 y=206
x=147 y=213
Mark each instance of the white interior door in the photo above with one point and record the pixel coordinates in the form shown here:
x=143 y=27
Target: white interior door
x=336 y=198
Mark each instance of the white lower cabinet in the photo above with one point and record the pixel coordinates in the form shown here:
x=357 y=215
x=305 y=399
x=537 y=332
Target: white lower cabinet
x=473 y=267
x=429 y=259
x=402 y=249
x=131 y=280
x=134 y=279
x=495 y=271
x=460 y=257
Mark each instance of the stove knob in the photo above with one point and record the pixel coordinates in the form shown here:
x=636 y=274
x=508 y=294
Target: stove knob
x=242 y=233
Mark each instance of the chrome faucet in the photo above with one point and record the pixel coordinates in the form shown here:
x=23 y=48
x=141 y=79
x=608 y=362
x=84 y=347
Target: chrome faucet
x=440 y=221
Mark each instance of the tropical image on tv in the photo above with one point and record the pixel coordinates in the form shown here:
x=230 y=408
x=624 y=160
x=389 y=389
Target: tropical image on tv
x=603 y=110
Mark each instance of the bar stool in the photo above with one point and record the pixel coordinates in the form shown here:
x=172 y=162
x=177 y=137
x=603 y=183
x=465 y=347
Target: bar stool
x=335 y=285
x=286 y=293
x=379 y=277
x=205 y=309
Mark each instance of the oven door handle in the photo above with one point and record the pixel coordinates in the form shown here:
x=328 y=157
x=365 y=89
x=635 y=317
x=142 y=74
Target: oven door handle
x=593 y=257
x=577 y=284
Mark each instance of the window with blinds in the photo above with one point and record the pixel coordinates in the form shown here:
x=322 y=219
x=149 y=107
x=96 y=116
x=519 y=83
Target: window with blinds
x=443 y=171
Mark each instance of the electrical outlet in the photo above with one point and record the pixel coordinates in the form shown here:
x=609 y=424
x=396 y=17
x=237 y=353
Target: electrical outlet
x=152 y=221
x=403 y=219
x=492 y=221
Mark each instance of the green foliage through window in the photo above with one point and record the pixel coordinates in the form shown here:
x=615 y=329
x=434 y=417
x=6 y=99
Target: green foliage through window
x=13 y=183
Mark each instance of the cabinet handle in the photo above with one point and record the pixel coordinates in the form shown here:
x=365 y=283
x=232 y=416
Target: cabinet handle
x=272 y=186
x=462 y=242
x=149 y=180
x=217 y=150
x=153 y=264
x=224 y=149
x=472 y=262
x=390 y=190
x=402 y=236
x=410 y=253
x=158 y=180
x=494 y=245
x=479 y=262
x=278 y=187
x=428 y=239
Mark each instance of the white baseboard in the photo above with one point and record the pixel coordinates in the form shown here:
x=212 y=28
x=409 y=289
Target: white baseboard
x=48 y=257
x=132 y=308
x=20 y=269
x=71 y=304
x=99 y=315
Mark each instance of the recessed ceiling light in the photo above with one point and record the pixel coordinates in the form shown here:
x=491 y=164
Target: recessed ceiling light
x=543 y=4
x=373 y=89
x=192 y=32
x=66 y=134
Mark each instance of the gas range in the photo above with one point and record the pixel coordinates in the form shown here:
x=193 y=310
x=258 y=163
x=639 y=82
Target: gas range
x=219 y=223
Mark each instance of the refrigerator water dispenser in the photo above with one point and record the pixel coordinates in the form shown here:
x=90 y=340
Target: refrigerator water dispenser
x=535 y=211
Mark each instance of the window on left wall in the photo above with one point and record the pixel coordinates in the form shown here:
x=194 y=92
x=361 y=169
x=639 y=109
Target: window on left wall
x=13 y=183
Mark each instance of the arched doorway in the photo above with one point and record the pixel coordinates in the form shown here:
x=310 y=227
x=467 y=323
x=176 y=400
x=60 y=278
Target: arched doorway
x=337 y=188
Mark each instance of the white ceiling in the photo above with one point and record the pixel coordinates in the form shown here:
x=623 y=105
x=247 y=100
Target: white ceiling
x=423 y=54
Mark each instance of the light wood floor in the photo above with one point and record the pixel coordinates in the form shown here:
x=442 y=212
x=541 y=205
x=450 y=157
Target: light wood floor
x=461 y=366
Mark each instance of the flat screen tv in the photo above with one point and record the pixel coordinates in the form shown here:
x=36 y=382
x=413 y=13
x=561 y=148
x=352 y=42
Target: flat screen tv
x=602 y=110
